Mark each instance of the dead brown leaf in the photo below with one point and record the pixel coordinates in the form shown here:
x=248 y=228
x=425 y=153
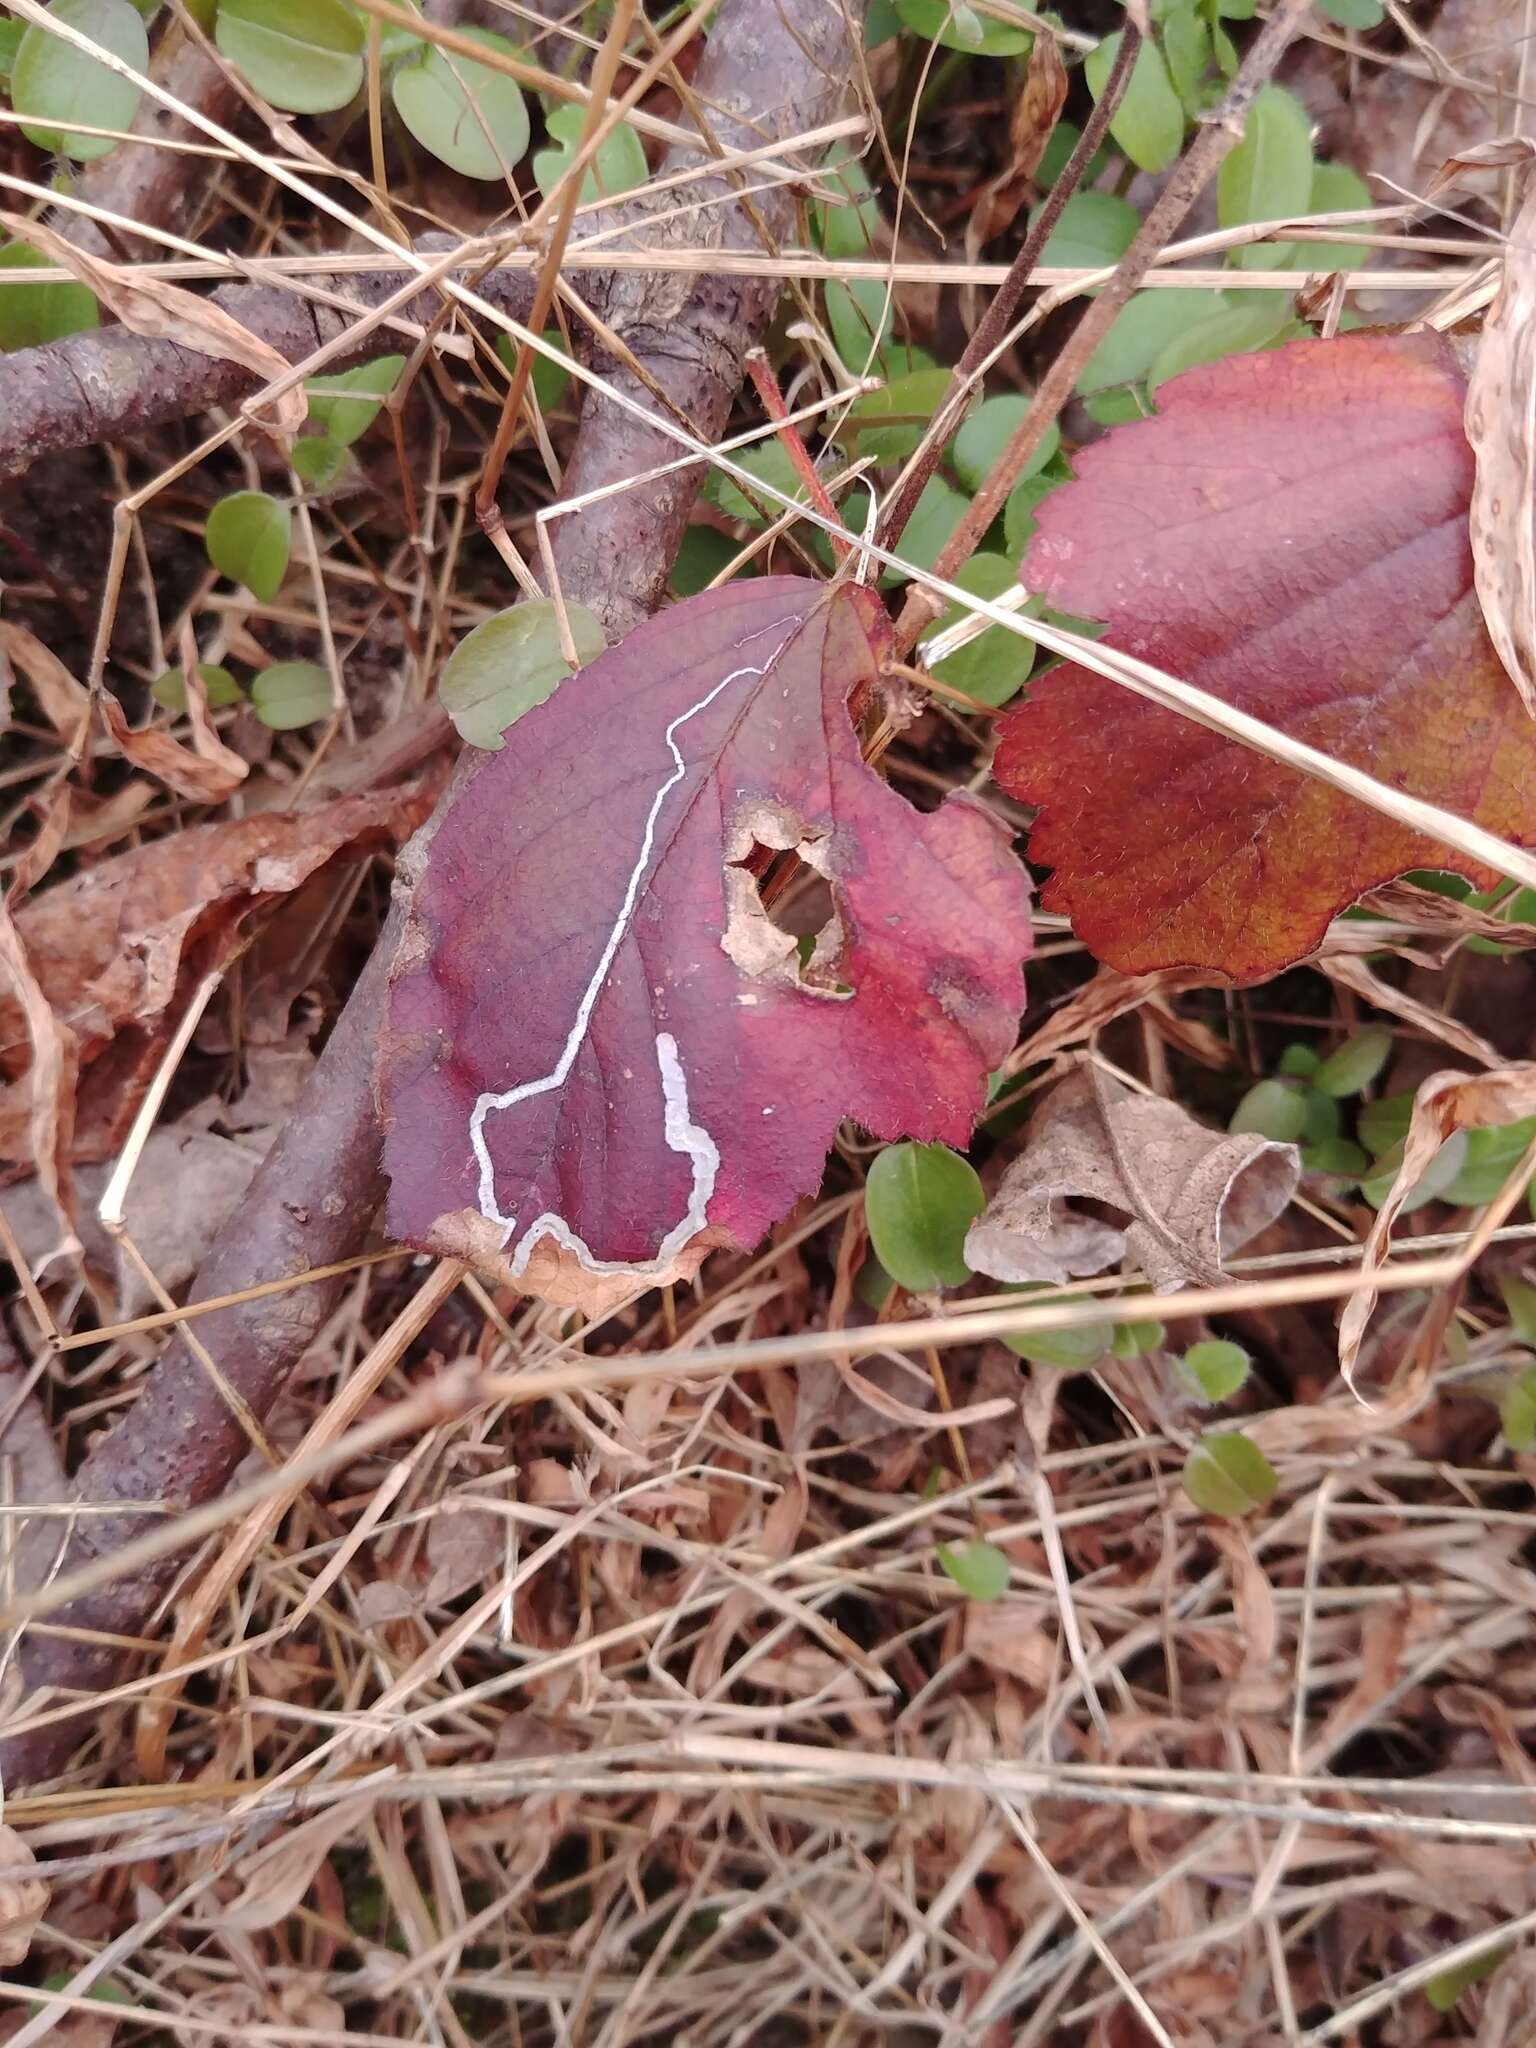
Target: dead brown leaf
x=23 y=1902
x=275 y=1879
x=113 y=947
x=1193 y=1195
x=45 y=1103
x=65 y=703
x=207 y=772
x=1445 y=1103
x=162 y=311
x=1036 y=111
x=1501 y=395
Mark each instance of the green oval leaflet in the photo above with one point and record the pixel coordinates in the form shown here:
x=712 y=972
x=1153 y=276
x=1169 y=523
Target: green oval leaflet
x=345 y=406
x=1492 y=1155
x=772 y=462
x=978 y=1568
x=317 y=461
x=1229 y=1476
x=919 y=1202
x=1148 y=124
x=248 y=537
x=53 y=83
x=1355 y=14
x=11 y=33
x=1024 y=501
x=844 y=225
x=1337 y=1158
x=1299 y=1061
x=1187 y=53
x=219 y=687
x=469 y=116
x=704 y=553
x=1443 y=1992
x=1335 y=189
x=510 y=663
x=32 y=315
x=995 y=666
x=938 y=511
x=1432 y=1185
x=986 y=433
x=1268 y=176
x=619 y=165
x=1146 y=325
x=1135 y=1340
x=291 y=694
x=1384 y=1123
x=1352 y=1067
x=1073 y=1347
x=1093 y=233
x=1233 y=331
x=1517 y=1412
x=1272 y=1110
x=1520 y=1299
x=1322 y=1117
x=859 y=315
x=1214 y=1370
x=304 y=56
x=962 y=27
x=888 y=424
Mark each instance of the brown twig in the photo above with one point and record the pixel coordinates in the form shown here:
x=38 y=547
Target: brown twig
x=766 y=385
x=1219 y=134
x=995 y=322
x=316 y=1192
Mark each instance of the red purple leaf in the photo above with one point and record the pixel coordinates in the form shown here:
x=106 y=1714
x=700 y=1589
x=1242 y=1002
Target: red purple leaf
x=1290 y=534
x=598 y=1040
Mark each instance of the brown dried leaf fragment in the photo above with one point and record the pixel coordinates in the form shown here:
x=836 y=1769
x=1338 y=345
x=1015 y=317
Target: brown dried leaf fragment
x=23 y=1901
x=207 y=771
x=1193 y=1196
x=1501 y=425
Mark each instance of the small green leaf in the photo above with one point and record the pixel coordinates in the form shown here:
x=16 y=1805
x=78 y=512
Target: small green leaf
x=1228 y=1475
x=1095 y=229
x=986 y=433
x=771 y=461
x=1273 y=1110
x=219 y=687
x=1073 y=1347
x=845 y=224
x=248 y=537
x=291 y=694
x=1356 y=14
x=1384 y=1123
x=1520 y=1299
x=1335 y=189
x=1300 y=1062
x=1335 y=1157
x=1234 y=331
x=1353 y=1066
x=1492 y=1156
x=1187 y=53
x=1432 y=1185
x=1268 y=176
x=993 y=667
x=1024 y=501
x=1146 y=325
x=469 y=116
x=11 y=33
x=1444 y=1990
x=344 y=407
x=54 y=83
x=1149 y=121
x=1135 y=1340
x=304 y=56
x=704 y=553
x=859 y=315
x=963 y=27
x=32 y=315
x=872 y=1284
x=1214 y=1370
x=1063 y=139
x=938 y=511
x=550 y=381
x=1517 y=1412
x=510 y=663
x=881 y=23
x=318 y=460
x=619 y=165
x=978 y=1568
x=887 y=424
x=1322 y=1117
x=919 y=1201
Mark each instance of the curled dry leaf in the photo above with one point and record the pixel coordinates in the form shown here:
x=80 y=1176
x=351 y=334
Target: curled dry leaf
x=1444 y=1104
x=111 y=947
x=1501 y=425
x=162 y=311
x=1037 y=109
x=1193 y=1195
x=207 y=771
x=44 y=1101
x=1290 y=535
x=598 y=1043
x=23 y=1901
x=64 y=702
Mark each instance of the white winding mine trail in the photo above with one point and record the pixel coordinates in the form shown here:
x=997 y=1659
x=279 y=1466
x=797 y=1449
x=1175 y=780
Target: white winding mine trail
x=682 y=1135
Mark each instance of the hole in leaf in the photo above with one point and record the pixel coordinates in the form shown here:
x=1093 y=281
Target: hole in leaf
x=784 y=923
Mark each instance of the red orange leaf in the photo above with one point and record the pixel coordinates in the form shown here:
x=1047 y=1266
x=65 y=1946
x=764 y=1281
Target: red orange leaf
x=597 y=1040
x=1290 y=534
